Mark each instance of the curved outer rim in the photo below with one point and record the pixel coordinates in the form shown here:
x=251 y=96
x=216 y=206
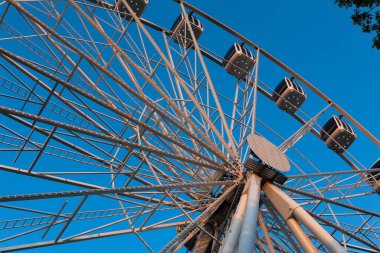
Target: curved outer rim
x=262 y=51
x=270 y=57
x=280 y=64
x=286 y=68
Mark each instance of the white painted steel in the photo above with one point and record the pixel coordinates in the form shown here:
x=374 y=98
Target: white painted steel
x=247 y=239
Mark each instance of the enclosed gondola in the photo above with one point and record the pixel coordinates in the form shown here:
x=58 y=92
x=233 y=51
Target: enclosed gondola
x=181 y=32
x=138 y=7
x=337 y=134
x=374 y=176
x=239 y=61
x=288 y=95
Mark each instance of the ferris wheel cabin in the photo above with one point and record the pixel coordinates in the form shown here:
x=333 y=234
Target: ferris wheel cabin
x=288 y=95
x=337 y=134
x=138 y=7
x=238 y=61
x=181 y=32
x=374 y=176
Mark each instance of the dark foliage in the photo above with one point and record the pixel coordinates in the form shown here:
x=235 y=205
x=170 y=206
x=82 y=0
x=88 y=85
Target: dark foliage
x=367 y=15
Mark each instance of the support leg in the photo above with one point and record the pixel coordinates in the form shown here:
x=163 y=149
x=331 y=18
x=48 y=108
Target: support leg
x=233 y=233
x=248 y=232
x=301 y=236
x=323 y=236
x=288 y=208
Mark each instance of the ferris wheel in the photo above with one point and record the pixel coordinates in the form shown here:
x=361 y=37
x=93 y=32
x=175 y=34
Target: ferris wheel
x=170 y=132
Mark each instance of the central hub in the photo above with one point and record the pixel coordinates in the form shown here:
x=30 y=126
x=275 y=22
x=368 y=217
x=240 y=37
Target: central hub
x=268 y=153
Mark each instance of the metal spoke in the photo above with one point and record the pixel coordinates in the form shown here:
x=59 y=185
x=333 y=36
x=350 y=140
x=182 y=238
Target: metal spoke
x=113 y=123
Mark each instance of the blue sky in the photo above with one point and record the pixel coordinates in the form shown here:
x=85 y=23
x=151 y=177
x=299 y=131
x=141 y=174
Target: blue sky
x=317 y=39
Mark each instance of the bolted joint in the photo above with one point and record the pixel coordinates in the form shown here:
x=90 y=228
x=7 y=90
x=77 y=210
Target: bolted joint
x=283 y=204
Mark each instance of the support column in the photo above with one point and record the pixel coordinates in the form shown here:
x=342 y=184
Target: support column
x=247 y=238
x=232 y=236
x=288 y=208
x=323 y=236
x=301 y=236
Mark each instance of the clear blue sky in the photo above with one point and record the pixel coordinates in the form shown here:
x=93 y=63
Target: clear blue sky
x=315 y=38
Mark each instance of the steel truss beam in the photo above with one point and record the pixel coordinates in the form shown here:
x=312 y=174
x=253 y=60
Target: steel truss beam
x=129 y=190
x=88 y=237
x=79 y=184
